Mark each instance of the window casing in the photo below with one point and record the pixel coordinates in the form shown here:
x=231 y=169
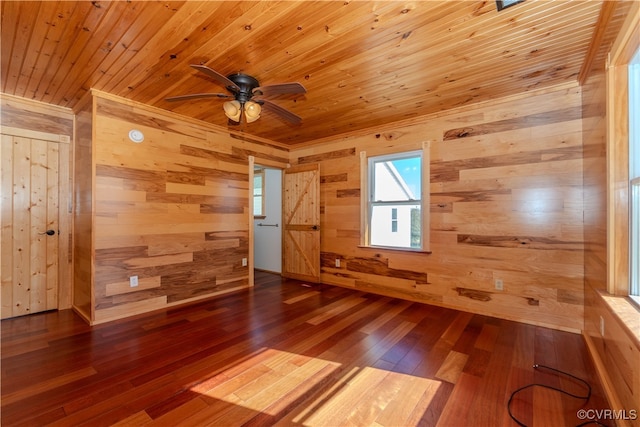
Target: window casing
x=634 y=177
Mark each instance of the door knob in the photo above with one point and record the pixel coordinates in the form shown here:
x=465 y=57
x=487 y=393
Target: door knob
x=49 y=232
x=315 y=227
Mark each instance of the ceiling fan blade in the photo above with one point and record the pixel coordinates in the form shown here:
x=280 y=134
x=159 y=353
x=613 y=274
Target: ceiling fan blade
x=283 y=113
x=197 y=96
x=279 y=89
x=224 y=81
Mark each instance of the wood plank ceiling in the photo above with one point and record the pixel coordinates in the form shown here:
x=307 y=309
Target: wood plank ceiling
x=365 y=64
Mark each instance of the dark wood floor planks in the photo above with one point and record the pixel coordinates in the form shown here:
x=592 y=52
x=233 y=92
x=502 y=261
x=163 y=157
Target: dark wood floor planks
x=286 y=353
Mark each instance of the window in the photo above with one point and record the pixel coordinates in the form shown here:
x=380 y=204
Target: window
x=258 y=193
x=394 y=197
x=634 y=175
x=394 y=220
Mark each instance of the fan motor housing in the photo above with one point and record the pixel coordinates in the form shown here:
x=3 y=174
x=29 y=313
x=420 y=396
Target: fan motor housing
x=246 y=83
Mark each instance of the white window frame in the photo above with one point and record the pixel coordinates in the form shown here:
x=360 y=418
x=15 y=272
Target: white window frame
x=634 y=178
x=259 y=173
x=366 y=198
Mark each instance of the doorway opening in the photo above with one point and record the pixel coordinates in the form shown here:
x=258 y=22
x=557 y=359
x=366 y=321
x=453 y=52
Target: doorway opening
x=267 y=219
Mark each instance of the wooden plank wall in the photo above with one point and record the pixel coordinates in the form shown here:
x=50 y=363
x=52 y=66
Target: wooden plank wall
x=36 y=117
x=506 y=203
x=172 y=210
x=83 y=216
x=617 y=353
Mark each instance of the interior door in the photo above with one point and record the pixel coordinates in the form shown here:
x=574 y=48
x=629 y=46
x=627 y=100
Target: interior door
x=30 y=224
x=301 y=222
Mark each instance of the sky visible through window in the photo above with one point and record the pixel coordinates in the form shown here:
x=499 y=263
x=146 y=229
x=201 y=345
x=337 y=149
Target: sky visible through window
x=409 y=170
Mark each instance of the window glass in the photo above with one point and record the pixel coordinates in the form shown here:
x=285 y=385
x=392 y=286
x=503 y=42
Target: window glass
x=395 y=198
x=258 y=192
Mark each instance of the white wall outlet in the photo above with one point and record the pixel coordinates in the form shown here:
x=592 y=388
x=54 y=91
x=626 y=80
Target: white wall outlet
x=601 y=325
x=133 y=281
x=338 y=262
x=499 y=284
x=244 y=262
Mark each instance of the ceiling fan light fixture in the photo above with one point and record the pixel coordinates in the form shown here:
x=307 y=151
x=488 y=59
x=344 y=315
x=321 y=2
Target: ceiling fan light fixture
x=252 y=111
x=232 y=110
x=243 y=88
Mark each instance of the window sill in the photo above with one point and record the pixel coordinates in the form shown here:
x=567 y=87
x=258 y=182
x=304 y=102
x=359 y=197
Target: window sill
x=395 y=249
x=627 y=313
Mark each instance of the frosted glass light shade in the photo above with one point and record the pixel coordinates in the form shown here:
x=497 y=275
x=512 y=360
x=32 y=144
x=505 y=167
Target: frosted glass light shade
x=232 y=110
x=252 y=111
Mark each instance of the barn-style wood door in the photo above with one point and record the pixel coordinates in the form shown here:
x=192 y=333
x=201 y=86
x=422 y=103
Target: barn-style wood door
x=301 y=218
x=30 y=223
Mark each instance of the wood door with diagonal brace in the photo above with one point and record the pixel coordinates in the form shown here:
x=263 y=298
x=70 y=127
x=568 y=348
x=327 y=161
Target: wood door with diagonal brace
x=301 y=218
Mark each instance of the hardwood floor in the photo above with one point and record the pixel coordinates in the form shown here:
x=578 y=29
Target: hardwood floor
x=286 y=353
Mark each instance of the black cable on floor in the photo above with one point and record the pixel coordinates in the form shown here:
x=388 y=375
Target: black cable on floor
x=585 y=398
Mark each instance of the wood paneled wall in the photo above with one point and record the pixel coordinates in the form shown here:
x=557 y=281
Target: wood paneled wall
x=506 y=203
x=82 y=216
x=617 y=352
x=36 y=119
x=172 y=210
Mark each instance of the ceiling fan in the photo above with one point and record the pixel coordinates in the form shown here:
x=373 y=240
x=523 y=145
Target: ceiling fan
x=246 y=96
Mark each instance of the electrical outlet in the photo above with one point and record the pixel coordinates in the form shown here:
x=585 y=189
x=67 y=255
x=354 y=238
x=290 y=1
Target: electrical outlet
x=244 y=262
x=601 y=325
x=338 y=262
x=499 y=284
x=133 y=281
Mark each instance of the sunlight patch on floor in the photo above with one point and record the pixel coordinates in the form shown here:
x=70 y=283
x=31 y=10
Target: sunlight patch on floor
x=371 y=396
x=269 y=376
x=271 y=380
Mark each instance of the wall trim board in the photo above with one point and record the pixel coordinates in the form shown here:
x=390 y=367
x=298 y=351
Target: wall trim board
x=51 y=109
x=34 y=134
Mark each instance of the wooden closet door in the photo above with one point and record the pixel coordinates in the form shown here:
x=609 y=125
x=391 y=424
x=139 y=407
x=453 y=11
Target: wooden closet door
x=30 y=224
x=301 y=217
